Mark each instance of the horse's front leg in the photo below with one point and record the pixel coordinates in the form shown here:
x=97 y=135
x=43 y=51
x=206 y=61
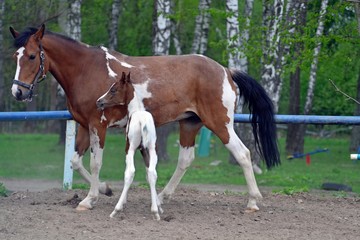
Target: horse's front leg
x=97 y=139
x=81 y=146
x=128 y=179
x=188 y=131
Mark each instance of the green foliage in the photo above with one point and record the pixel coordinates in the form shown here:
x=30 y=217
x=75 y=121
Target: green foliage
x=3 y=190
x=292 y=190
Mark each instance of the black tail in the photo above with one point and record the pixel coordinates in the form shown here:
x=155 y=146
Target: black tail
x=262 y=117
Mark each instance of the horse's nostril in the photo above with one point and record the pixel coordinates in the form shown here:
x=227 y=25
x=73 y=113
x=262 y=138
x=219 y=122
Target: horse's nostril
x=18 y=94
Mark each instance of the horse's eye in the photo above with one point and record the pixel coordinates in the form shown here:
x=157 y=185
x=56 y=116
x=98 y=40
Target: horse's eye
x=113 y=90
x=32 y=56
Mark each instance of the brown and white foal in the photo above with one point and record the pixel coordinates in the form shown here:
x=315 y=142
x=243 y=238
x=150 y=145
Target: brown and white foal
x=140 y=132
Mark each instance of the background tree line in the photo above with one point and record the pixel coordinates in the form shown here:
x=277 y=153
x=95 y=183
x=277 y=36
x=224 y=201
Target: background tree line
x=292 y=47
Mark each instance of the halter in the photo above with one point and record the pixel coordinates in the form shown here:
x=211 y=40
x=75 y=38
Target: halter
x=37 y=78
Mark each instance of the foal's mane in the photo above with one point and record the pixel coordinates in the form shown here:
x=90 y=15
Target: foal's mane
x=24 y=36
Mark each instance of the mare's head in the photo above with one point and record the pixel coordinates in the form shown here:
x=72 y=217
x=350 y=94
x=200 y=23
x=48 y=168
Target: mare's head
x=30 y=59
x=120 y=93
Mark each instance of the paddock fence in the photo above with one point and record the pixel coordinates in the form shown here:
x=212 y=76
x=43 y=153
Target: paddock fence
x=71 y=128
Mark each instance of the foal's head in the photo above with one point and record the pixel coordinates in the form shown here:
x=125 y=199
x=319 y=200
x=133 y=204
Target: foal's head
x=120 y=93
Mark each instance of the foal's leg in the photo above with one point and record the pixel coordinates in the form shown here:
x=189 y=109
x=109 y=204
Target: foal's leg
x=188 y=131
x=97 y=137
x=128 y=179
x=152 y=177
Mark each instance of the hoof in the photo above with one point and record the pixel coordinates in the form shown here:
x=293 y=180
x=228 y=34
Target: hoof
x=81 y=208
x=109 y=192
x=251 y=210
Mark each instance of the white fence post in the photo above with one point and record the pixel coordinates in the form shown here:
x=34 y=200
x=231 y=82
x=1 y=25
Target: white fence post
x=69 y=153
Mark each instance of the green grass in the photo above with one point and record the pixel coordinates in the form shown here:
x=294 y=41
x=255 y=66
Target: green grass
x=34 y=156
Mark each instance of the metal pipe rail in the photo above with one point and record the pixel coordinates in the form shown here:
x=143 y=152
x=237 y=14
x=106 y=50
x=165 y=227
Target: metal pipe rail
x=71 y=128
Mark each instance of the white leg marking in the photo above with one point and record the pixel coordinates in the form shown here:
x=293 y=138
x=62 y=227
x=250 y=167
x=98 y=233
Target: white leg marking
x=95 y=166
x=186 y=157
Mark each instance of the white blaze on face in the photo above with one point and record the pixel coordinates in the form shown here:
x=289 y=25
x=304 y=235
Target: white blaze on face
x=20 y=53
x=109 y=57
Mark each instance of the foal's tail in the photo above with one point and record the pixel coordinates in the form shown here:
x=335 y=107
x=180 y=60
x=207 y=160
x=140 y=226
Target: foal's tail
x=262 y=116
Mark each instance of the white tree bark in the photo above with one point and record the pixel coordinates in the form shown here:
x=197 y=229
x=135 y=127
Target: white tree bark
x=314 y=64
x=114 y=23
x=74 y=19
x=272 y=18
x=202 y=23
x=245 y=35
x=232 y=31
x=161 y=41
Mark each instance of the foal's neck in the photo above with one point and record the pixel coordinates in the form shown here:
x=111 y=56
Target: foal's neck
x=135 y=103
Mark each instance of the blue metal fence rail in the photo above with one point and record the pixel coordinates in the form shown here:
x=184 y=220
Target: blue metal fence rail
x=280 y=119
x=71 y=128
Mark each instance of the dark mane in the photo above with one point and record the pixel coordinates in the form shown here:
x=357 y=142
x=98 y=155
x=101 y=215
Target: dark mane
x=24 y=36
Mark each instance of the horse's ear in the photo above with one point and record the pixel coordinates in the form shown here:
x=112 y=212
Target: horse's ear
x=128 y=78
x=14 y=33
x=123 y=78
x=40 y=33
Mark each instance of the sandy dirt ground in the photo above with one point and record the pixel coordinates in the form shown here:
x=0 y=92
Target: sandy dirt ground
x=195 y=212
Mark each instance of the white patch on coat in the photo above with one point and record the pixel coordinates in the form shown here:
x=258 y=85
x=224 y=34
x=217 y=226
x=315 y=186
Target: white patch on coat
x=20 y=53
x=120 y=123
x=228 y=99
x=140 y=93
x=103 y=118
x=109 y=57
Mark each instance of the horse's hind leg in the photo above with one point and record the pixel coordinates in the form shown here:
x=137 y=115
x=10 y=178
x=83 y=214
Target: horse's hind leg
x=242 y=156
x=128 y=179
x=188 y=131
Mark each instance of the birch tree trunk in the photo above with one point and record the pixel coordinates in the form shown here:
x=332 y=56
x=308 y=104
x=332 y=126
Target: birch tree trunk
x=314 y=64
x=232 y=31
x=272 y=19
x=114 y=23
x=355 y=133
x=202 y=23
x=161 y=46
x=161 y=40
x=174 y=30
x=245 y=35
x=71 y=24
x=2 y=11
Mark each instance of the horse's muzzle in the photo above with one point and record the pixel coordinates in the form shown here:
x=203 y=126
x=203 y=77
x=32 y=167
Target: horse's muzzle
x=100 y=104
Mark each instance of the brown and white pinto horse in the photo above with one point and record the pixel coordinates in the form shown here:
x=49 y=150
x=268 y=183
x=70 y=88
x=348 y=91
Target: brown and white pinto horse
x=191 y=89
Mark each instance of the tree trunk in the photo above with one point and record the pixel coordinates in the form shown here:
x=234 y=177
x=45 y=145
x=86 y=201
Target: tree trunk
x=114 y=23
x=201 y=32
x=245 y=35
x=272 y=54
x=232 y=30
x=72 y=26
x=355 y=133
x=161 y=40
x=161 y=46
x=2 y=11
